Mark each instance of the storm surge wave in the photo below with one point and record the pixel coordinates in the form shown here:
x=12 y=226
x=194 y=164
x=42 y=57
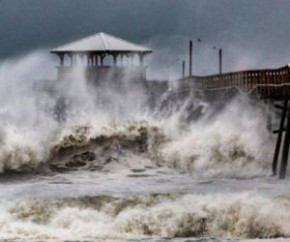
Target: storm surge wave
x=111 y=140
x=106 y=126
x=170 y=216
x=229 y=145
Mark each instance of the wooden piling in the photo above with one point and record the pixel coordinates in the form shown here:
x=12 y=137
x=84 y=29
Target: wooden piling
x=279 y=138
x=285 y=151
x=269 y=116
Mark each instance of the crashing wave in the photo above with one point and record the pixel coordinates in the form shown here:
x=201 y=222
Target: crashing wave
x=231 y=144
x=171 y=216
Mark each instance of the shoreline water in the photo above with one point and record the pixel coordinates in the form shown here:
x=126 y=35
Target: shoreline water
x=89 y=202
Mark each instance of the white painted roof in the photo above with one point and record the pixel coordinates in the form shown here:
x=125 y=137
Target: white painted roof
x=101 y=42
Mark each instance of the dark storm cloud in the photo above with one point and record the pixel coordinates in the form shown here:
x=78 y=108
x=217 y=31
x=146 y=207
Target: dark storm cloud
x=28 y=24
x=260 y=27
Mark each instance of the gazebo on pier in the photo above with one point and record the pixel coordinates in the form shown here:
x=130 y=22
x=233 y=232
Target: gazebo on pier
x=92 y=52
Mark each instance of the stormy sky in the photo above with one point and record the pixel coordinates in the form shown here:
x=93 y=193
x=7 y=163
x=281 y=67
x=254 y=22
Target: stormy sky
x=252 y=33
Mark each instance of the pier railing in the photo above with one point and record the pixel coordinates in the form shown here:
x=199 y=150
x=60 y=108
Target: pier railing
x=267 y=83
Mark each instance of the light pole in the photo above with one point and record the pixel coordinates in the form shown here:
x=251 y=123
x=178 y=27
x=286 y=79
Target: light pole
x=220 y=59
x=190 y=54
x=183 y=68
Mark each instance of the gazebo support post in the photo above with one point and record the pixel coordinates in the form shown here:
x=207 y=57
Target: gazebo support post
x=132 y=59
x=115 y=59
x=141 y=59
x=88 y=59
x=129 y=60
x=102 y=59
x=61 y=58
x=75 y=59
x=91 y=59
x=82 y=59
x=96 y=60
x=122 y=60
x=70 y=57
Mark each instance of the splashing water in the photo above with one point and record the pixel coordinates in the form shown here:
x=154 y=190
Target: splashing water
x=110 y=145
x=169 y=216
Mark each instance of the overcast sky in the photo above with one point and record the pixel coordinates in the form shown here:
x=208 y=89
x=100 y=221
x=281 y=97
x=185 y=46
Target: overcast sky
x=252 y=33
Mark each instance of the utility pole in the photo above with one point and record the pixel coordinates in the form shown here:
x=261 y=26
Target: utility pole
x=190 y=57
x=190 y=54
x=220 y=60
x=183 y=68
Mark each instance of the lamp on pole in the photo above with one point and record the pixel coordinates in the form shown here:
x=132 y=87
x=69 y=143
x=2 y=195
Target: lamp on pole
x=220 y=51
x=190 y=54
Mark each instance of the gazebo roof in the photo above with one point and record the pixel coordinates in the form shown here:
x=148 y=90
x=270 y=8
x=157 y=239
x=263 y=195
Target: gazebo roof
x=102 y=43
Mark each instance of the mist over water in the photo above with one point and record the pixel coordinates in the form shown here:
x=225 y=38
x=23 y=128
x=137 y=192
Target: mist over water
x=112 y=141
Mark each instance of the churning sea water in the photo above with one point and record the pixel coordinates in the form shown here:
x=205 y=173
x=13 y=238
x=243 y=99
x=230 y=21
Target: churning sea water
x=124 y=173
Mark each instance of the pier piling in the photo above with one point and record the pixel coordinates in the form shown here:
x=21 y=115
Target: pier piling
x=279 y=138
x=285 y=151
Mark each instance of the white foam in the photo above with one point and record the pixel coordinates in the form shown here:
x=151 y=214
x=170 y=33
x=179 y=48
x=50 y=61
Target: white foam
x=236 y=216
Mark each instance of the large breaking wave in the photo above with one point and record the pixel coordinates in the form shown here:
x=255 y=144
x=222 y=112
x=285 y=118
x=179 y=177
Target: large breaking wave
x=109 y=132
x=170 y=216
x=230 y=145
x=234 y=142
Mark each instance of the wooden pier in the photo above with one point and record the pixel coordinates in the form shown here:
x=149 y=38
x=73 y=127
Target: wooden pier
x=271 y=85
x=90 y=53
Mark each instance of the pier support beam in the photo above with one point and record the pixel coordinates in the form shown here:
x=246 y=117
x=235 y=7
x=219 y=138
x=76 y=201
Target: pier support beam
x=285 y=152
x=279 y=138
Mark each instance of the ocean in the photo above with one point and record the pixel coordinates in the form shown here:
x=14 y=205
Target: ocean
x=118 y=171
